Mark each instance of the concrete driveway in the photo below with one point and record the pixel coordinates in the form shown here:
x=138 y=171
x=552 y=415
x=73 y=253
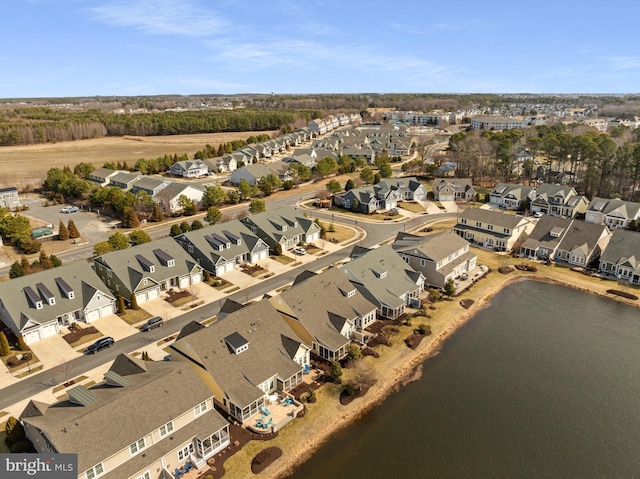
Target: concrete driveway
x=53 y=351
x=113 y=326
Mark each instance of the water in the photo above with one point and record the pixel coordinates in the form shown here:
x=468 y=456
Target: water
x=542 y=384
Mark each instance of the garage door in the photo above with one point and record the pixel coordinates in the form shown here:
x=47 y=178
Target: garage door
x=314 y=237
x=153 y=293
x=31 y=336
x=107 y=310
x=183 y=282
x=263 y=255
x=141 y=297
x=92 y=315
x=196 y=278
x=224 y=268
x=48 y=330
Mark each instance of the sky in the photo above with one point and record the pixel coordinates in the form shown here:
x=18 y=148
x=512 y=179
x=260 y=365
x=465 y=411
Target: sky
x=61 y=48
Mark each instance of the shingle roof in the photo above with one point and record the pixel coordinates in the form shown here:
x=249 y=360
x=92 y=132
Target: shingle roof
x=624 y=246
x=272 y=221
x=497 y=218
x=628 y=209
x=581 y=234
x=435 y=247
x=541 y=234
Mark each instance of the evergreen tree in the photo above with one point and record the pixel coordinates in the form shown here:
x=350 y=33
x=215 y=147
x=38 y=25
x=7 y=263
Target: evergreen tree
x=21 y=344
x=16 y=270
x=130 y=218
x=63 y=232
x=207 y=276
x=24 y=263
x=185 y=227
x=257 y=206
x=156 y=216
x=139 y=236
x=175 y=230
x=118 y=241
x=349 y=185
x=4 y=344
x=45 y=262
x=134 y=302
x=73 y=230
x=196 y=225
x=120 y=304
x=213 y=215
x=55 y=261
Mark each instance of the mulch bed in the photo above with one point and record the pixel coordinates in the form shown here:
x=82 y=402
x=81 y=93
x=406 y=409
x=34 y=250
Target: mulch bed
x=346 y=398
x=264 y=458
x=622 y=294
x=466 y=303
x=506 y=269
x=413 y=340
x=176 y=295
x=370 y=352
x=73 y=336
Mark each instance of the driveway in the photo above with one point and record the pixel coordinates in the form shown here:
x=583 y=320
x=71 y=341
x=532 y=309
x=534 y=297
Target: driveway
x=53 y=351
x=450 y=206
x=113 y=326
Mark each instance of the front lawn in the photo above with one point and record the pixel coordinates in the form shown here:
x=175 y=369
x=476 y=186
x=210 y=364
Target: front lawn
x=282 y=259
x=413 y=207
x=133 y=316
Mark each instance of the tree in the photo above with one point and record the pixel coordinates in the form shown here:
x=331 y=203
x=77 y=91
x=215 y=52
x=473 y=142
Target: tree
x=73 y=230
x=118 y=241
x=29 y=245
x=388 y=332
x=55 y=260
x=187 y=204
x=134 y=301
x=196 y=225
x=130 y=218
x=335 y=370
x=120 y=304
x=268 y=184
x=334 y=186
x=246 y=190
x=213 y=215
x=24 y=264
x=300 y=171
x=16 y=270
x=367 y=175
x=139 y=236
x=4 y=345
x=21 y=344
x=233 y=197
x=385 y=170
x=450 y=287
x=207 y=276
x=377 y=178
x=257 y=206
x=156 y=216
x=45 y=261
x=214 y=195
x=14 y=431
x=185 y=227
x=327 y=166
x=278 y=250
x=353 y=352
x=103 y=247
x=349 y=185
x=63 y=232
x=175 y=230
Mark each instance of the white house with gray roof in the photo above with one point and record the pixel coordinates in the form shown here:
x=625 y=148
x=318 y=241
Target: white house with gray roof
x=144 y=420
x=558 y=200
x=189 y=169
x=244 y=358
x=453 y=189
x=102 y=176
x=327 y=312
x=150 y=185
x=169 y=197
x=9 y=198
x=148 y=269
x=408 y=187
x=493 y=229
x=621 y=257
x=386 y=280
x=37 y=305
x=439 y=257
x=124 y=179
x=509 y=196
x=221 y=248
x=614 y=213
x=284 y=226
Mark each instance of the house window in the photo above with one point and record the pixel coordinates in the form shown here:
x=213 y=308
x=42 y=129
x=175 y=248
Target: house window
x=463 y=221
x=190 y=248
x=109 y=273
x=166 y=429
x=406 y=259
x=254 y=229
x=423 y=262
x=200 y=408
x=144 y=281
x=95 y=471
x=137 y=446
x=506 y=231
x=490 y=227
x=39 y=305
x=185 y=451
x=146 y=475
x=171 y=263
x=478 y=224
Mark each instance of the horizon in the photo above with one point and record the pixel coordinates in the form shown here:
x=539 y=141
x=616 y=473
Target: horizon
x=82 y=48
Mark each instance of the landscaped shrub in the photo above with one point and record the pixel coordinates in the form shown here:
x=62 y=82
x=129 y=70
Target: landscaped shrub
x=623 y=294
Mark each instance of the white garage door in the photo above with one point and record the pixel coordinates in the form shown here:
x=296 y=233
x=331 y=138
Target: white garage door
x=183 y=282
x=31 y=336
x=141 y=297
x=107 y=310
x=48 y=330
x=153 y=293
x=314 y=237
x=92 y=315
x=196 y=278
x=224 y=268
x=263 y=255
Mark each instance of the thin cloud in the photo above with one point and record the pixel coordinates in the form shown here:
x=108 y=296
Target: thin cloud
x=624 y=62
x=159 y=17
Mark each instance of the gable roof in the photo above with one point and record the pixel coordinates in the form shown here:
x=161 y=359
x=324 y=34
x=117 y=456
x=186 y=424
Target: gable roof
x=435 y=247
x=271 y=223
x=520 y=192
x=409 y=183
x=497 y=218
x=628 y=209
x=624 y=246
x=581 y=234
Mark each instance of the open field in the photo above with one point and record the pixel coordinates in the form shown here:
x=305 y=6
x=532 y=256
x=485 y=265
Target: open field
x=24 y=166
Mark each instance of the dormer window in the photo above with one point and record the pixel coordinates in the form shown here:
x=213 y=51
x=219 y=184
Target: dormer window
x=171 y=262
x=283 y=228
x=237 y=343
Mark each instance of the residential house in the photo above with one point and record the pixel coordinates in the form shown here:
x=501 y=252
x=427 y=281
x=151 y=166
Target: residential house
x=221 y=164
x=124 y=180
x=368 y=199
x=408 y=187
x=621 y=257
x=439 y=257
x=524 y=155
x=496 y=122
x=281 y=170
x=614 y=213
x=303 y=156
x=367 y=153
x=151 y=418
x=318 y=126
x=102 y=176
x=284 y=226
x=453 y=189
x=169 y=197
x=385 y=280
x=147 y=269
x=223 y=247
x=251 y=173
x=558 y=200
x=545 y=237
x=492 y=229
x=244 y=358
x=9 y=198
x=510 y=196
x=327 y=312
x=150 y=185
x=37 y=305
x=189 y=169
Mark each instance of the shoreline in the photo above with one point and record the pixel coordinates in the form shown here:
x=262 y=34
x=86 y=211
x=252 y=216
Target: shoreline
x=401 y=373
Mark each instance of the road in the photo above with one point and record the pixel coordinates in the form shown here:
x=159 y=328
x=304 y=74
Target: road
x=32 y=385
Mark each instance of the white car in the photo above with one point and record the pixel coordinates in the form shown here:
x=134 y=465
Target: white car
x=538 y=214
x=299 y=251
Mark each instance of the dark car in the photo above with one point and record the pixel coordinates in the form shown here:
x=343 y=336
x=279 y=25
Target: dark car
x=154 y=322
x=100 y=344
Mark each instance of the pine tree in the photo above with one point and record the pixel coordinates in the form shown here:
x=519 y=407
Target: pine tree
x=73 y=230
x=130 y=218
x=125 y=166
x=26 y=267
x=156 y=216
x=21 y=344
x=55 y=261
x=207 y=276
x=134 y=302
x=4 y=344
x=120 y=304
x=16 y=270
x=63 y=231
x=45 y=261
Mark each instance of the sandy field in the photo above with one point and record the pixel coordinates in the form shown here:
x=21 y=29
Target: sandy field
x=24 y=166
x=397 y=366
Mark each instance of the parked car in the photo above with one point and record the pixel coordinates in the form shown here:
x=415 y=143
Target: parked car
x=73 y=209
x=299 y=251
x=538 y=214
x=65 y=209
x=100 y=344
x=154 y=322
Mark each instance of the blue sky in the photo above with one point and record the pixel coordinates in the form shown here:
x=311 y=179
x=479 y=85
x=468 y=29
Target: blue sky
x=150 y=47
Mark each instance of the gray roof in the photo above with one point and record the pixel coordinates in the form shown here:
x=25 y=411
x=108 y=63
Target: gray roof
x=175 y=188
x=624 y=247
x=125 y=177
x=240 y=374
x=541 y=236
x=159 y=392
x=496 y=218
x=409 y=183
x=321 y=304
x=581 y=234
x=520 y=192
x=628 y=209
x=458 y=184
x=228 y=233
x=149 y=183
x=368 y=274
x=271 y=223
x=548 y=189
x=129 y=265
x=79 y=276
x=435 y=247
